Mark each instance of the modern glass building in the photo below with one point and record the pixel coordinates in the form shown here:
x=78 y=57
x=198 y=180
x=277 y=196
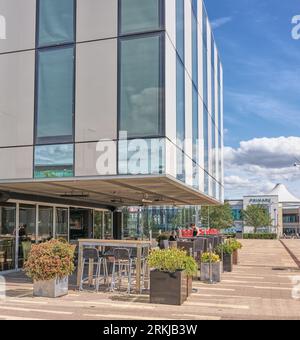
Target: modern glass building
x=104 y=105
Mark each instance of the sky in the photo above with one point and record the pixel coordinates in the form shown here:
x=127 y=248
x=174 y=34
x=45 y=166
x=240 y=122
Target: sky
x=261 y=64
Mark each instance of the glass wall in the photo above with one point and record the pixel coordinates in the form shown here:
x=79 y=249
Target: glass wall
x=62 y=223
x=54 y=161
x=140 y=86
x=7 y=236
x=140 y=16
x=27 y=219
x=45 y=227
x=56 y=22
x=55 y=95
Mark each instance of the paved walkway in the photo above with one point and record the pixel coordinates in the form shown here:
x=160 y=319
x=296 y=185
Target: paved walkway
x=259 y=288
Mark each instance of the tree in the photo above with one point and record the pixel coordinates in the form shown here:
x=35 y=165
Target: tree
x=217 y=217
x=257 y=216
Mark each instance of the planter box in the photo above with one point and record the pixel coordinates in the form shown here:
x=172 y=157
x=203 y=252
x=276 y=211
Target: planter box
x=189 y=285
x=216 y=272
x=52 y=288
x=235 y=257
x=227 y=263
x=168 y=289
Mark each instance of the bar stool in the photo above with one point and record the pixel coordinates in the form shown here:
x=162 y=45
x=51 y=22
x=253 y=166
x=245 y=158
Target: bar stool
x=124 y=262
x=100 y=263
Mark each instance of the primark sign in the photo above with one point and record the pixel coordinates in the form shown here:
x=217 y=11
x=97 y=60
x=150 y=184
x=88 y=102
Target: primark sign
x=260 y=201
x=2 y=27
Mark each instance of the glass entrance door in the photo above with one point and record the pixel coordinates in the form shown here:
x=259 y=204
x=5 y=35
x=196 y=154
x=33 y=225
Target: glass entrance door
x=7 y=236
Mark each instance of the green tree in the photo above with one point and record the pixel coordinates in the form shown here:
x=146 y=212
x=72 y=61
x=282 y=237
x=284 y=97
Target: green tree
x=257 y=216
x=217 y=217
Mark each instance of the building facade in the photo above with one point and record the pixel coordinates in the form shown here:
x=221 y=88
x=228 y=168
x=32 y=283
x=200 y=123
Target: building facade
x=104 y=104
x=282 y=206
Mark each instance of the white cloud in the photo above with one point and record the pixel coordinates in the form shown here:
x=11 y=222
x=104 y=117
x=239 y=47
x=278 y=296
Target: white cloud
x=220 y=22
x=258 y=164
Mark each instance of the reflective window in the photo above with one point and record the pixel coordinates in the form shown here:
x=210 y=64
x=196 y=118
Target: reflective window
x=195 y=49
x=27 y=222
x=55 y=95
x=180 y=118
x=206 y=149
x=62 y=224
x=98 y=224
x=53 y=161
x=56 y=22
x=140 y=15
x=45 y=227
x=141 y=86
x=142 y=156
x=7 y=236
x=180 y=28
x=195 y=139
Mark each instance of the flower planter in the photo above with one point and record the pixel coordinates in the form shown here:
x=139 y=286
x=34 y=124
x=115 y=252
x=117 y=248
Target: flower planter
x=52 y=288
x=168 y=288
x=227 y=263
x=215 y=274
x=235 y=257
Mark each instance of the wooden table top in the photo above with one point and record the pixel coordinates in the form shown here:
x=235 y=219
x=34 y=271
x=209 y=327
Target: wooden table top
x=128 y=243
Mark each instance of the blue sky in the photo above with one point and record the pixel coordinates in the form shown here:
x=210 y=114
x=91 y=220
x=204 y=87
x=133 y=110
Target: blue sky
x=261 y=65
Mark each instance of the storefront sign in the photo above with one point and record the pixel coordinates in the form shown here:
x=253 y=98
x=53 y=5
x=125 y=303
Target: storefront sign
x=260 y=201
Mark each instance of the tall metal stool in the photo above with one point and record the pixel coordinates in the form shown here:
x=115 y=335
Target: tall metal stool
x=122 y=267
x=100 y=263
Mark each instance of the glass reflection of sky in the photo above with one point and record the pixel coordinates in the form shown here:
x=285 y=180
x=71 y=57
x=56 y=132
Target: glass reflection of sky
x=54 y=155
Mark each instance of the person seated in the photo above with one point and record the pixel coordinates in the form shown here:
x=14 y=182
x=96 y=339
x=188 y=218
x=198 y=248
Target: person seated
x=173 y=237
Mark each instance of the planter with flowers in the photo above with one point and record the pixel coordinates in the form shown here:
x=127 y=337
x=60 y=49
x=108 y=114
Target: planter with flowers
x=172 y=270
x=211 y=267
x=236 y=246
x=225 y=251
x=49 y=265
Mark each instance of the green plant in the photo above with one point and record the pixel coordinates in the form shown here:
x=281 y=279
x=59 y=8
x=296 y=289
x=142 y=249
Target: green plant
x=235 y=245
x=210 y=258
x=162 y=237
x=217 y=217
x=257 y=216
x=224 y=248
x=172 y=260
x=260 y=236
x=50 y=260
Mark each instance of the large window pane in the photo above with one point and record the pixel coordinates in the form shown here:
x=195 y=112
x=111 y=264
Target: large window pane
x=62 y=224
x=140 y=15
x=53 y=161
x=140 y=86
x=45 y=228
x=56 y=22
x=27 y=222
x=7 y=236
x=180 y=41
x=55 y=95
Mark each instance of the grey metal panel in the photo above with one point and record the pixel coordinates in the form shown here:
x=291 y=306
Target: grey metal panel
x=16 y=163
x=96 y=91
x=20 y=25
x=96 y=159
x=96 y=19
x=16 y=98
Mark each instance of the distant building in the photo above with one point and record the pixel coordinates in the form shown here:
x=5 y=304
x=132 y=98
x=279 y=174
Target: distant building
x=284 y=209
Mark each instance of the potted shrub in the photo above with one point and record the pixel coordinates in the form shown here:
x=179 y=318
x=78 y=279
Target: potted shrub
x=210 y=267
x=161 y=238
x=49 y=265
x=236 y=246
x=225 y=251
x=168 y=277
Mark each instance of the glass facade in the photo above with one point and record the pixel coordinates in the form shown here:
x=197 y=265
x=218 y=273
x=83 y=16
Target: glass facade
x=53 y=161
x=56 y=24
x=55 y=95
x=140 y=16
x=141 y=87
x=55 y=89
